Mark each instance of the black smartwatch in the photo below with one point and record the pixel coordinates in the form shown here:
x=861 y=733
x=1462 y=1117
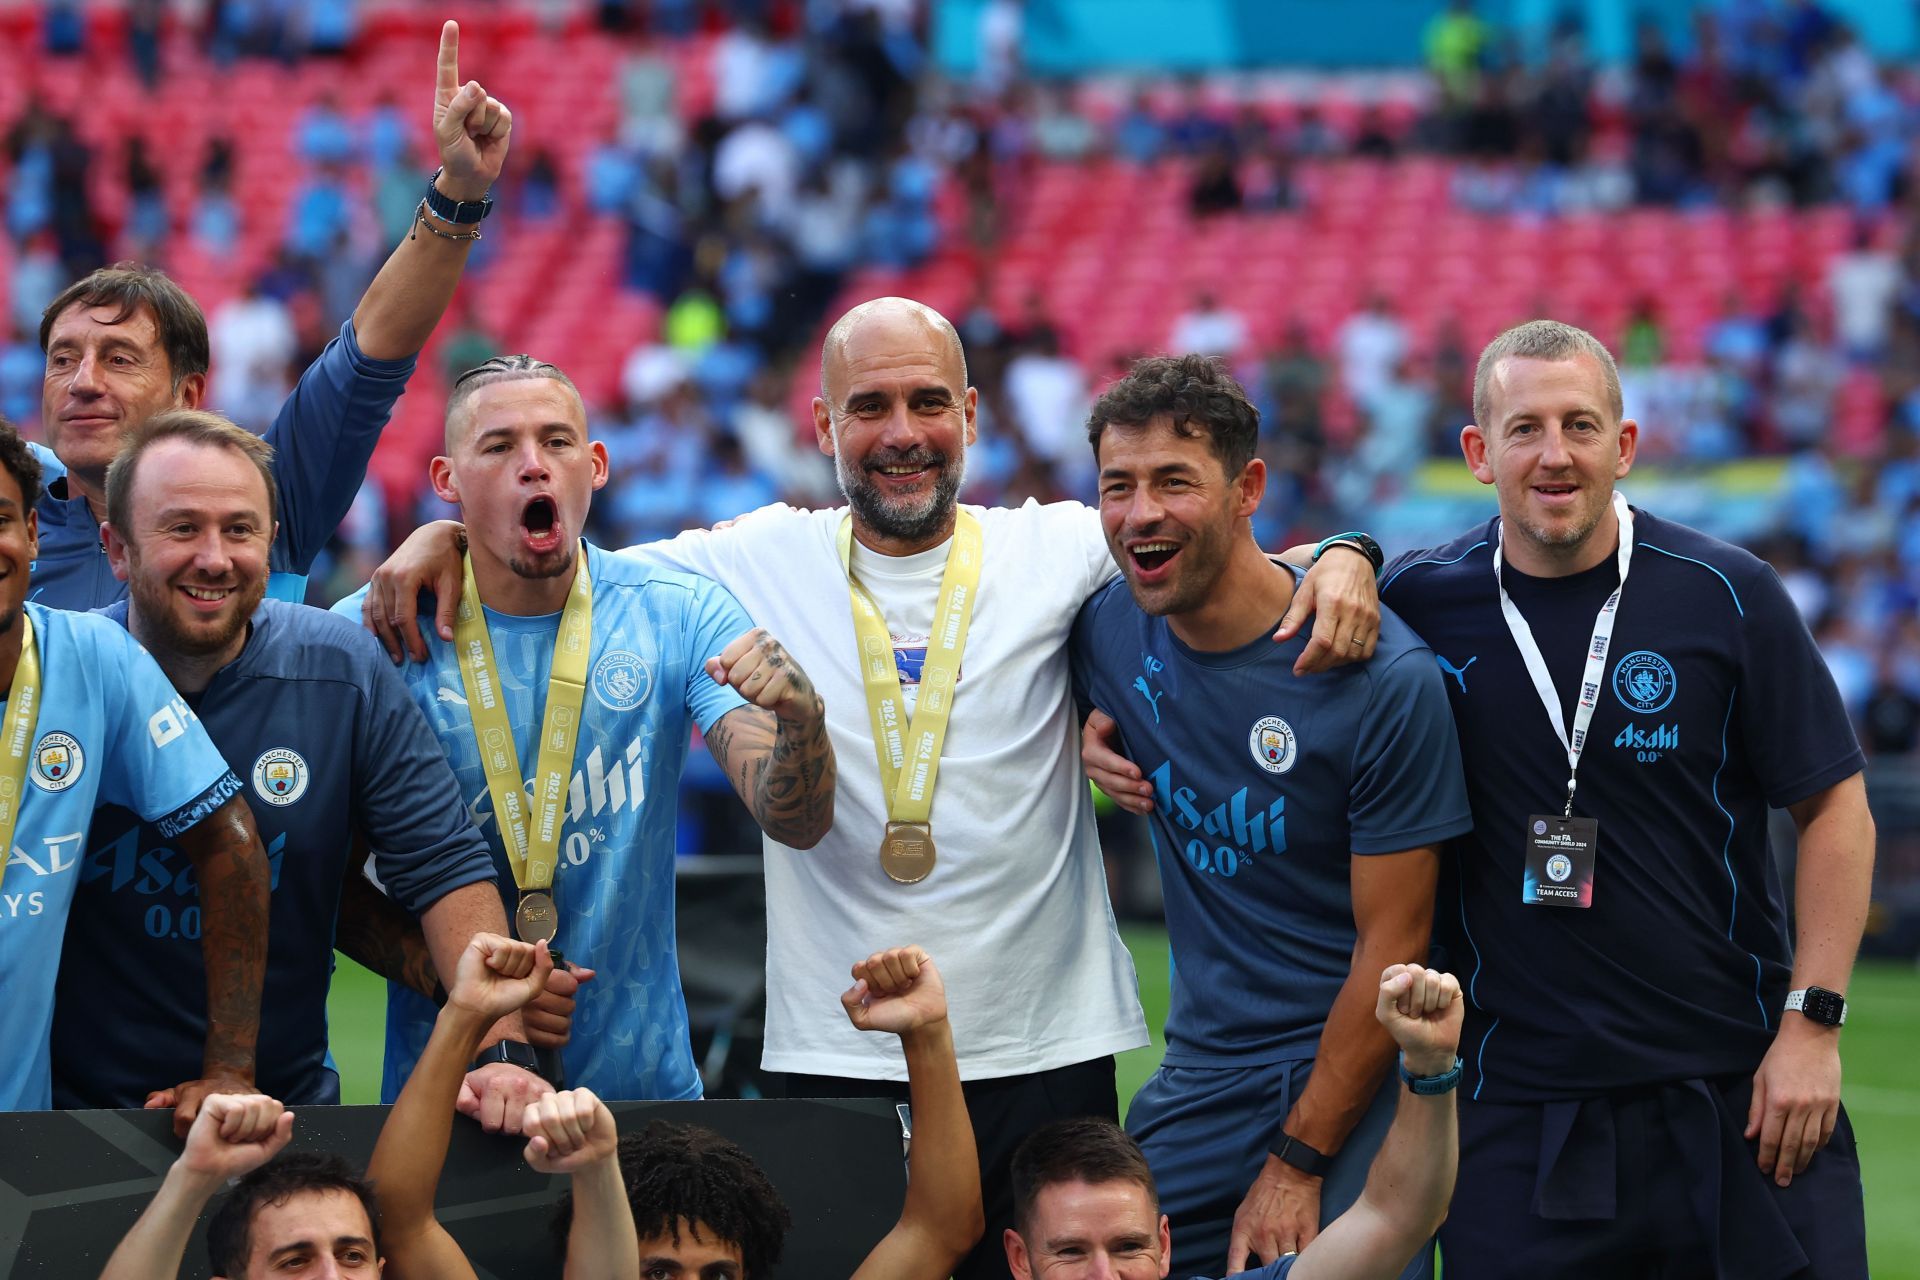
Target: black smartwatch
x=513 y=1052
x=1828 y=1008
x=1359 y=541
x=460 y=212
x=1303 y=1157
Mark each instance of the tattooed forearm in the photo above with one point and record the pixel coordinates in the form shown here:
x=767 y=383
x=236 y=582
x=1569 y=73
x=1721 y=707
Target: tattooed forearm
x=376 y=931
x=235 y=881
x=783 y=769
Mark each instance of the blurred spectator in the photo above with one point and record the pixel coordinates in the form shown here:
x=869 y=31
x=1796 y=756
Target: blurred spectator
x=147 y=222
x=1047 y=392
x=1644 y=343
x=1209 y=329
x=471 y=344
x=1060 y=132
x=1890 y=718
x=253 y=345
x=1371 y=343
x=21 y=369
x=143 y=39
x=1455 y=41
x=325 y=135
x=1138 y=134
x=1862 y=283
x=38 y=278
x=1216 y=188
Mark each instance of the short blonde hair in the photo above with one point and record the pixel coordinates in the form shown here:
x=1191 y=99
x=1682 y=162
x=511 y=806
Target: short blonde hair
x=1543 y=340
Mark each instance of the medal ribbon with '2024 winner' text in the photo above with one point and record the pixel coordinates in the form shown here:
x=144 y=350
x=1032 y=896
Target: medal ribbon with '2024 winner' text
x=532 y=848
x=909 y=755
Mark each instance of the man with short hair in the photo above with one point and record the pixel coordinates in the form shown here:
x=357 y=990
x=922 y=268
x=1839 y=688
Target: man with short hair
x=703 y=1208
x=569 y=645
x=1655 y=1066
x=308 y=1213
x=967 y=827
x=90 y=720
x=1298 y=821
x=1087 y=1204
x=127 y=342
x=333 y=754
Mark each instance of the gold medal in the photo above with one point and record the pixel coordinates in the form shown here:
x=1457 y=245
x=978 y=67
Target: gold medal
x=906 y=852
x=536 y=919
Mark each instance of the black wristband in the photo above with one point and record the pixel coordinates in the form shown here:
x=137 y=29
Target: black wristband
x=1303 y=1157
x=459 y=212
x=512 y=1052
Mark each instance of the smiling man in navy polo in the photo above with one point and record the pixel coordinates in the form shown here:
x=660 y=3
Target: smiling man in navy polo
x=1653 y=1067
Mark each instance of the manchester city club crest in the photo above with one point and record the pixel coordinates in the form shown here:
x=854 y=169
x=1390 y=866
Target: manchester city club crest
x=621 y=679
x=280 y=776
x=57 y=762
x=1272 y=743
x=1644 y=681
x=1559 y=867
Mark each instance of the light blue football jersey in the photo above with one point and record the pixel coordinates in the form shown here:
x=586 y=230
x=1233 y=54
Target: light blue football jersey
x=647 y=687
x=110 y=730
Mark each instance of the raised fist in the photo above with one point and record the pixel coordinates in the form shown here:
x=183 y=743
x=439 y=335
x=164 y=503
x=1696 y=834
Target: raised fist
x=1422 y=1010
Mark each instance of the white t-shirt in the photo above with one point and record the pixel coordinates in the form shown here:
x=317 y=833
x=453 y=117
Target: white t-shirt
x=1015 y=911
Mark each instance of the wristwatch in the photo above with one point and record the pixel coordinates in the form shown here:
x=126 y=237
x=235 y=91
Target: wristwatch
x=1303 y=1157
x=1433 y=1086
x=1828 y=1008
x=460 y=212
x=513 y=1052
x=1359 y=541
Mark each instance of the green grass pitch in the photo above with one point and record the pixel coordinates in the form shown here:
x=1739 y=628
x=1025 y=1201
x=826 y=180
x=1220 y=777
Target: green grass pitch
x=1881 y=1049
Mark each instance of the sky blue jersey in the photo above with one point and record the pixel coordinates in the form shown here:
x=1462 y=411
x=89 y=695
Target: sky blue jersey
x=111 y=730
x=647 y=688
x=322 y=441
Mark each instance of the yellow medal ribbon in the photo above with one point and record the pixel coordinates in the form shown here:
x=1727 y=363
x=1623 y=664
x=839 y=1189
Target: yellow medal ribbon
x=531 y=849
x=16 y=739
x=910 y=755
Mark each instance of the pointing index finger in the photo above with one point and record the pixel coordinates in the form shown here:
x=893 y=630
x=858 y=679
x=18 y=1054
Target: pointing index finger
x=447 y=81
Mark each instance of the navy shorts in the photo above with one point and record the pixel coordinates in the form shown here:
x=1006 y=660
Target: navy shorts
x=1654 y=1182
x=1206 y=1132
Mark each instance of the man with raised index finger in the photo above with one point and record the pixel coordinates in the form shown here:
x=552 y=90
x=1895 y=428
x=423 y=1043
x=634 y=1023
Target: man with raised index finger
x=127 y=342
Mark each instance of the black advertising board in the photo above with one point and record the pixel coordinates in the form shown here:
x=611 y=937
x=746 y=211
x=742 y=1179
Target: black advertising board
x=72 y=1182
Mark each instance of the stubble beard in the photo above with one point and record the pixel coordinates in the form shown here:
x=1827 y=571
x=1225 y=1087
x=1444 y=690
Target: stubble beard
x=165 y=630
x=909 y=519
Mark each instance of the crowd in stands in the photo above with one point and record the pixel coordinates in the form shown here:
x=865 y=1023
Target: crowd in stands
x=764 y=159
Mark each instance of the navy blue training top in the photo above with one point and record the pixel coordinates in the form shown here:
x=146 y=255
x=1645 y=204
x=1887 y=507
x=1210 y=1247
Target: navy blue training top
x=318 y=725
x=322 y=441
x=1714 y=705
x=1266 y=786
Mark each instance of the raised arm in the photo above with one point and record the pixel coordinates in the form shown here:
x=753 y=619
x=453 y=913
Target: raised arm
x=1393 y=914
x=411 y=293
x=494 y=976
x=235 y=882
x=775 y=752
x=1411 y=1181
x=900 y=991
x=1796 y=1091
x=572 y=1132
x=232 y=1135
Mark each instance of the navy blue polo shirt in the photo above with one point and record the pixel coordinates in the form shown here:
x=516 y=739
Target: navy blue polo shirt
x=327 y=744
x=322 y=441
x=1714 y=705
x=1266 y=786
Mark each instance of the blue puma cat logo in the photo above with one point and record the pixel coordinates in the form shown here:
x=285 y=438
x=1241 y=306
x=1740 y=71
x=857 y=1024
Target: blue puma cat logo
x=1153 y=699
x=1458 y=673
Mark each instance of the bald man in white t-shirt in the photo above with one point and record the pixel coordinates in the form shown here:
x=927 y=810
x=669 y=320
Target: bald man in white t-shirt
x=1042 y=990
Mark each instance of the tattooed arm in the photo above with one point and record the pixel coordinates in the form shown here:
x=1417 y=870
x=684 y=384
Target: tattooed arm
x=234 y=879
x=775 y=752
x=377 y=932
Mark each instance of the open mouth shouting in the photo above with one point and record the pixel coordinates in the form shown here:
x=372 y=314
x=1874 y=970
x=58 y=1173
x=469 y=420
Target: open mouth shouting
x=540 y=525
x=1151 y=558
